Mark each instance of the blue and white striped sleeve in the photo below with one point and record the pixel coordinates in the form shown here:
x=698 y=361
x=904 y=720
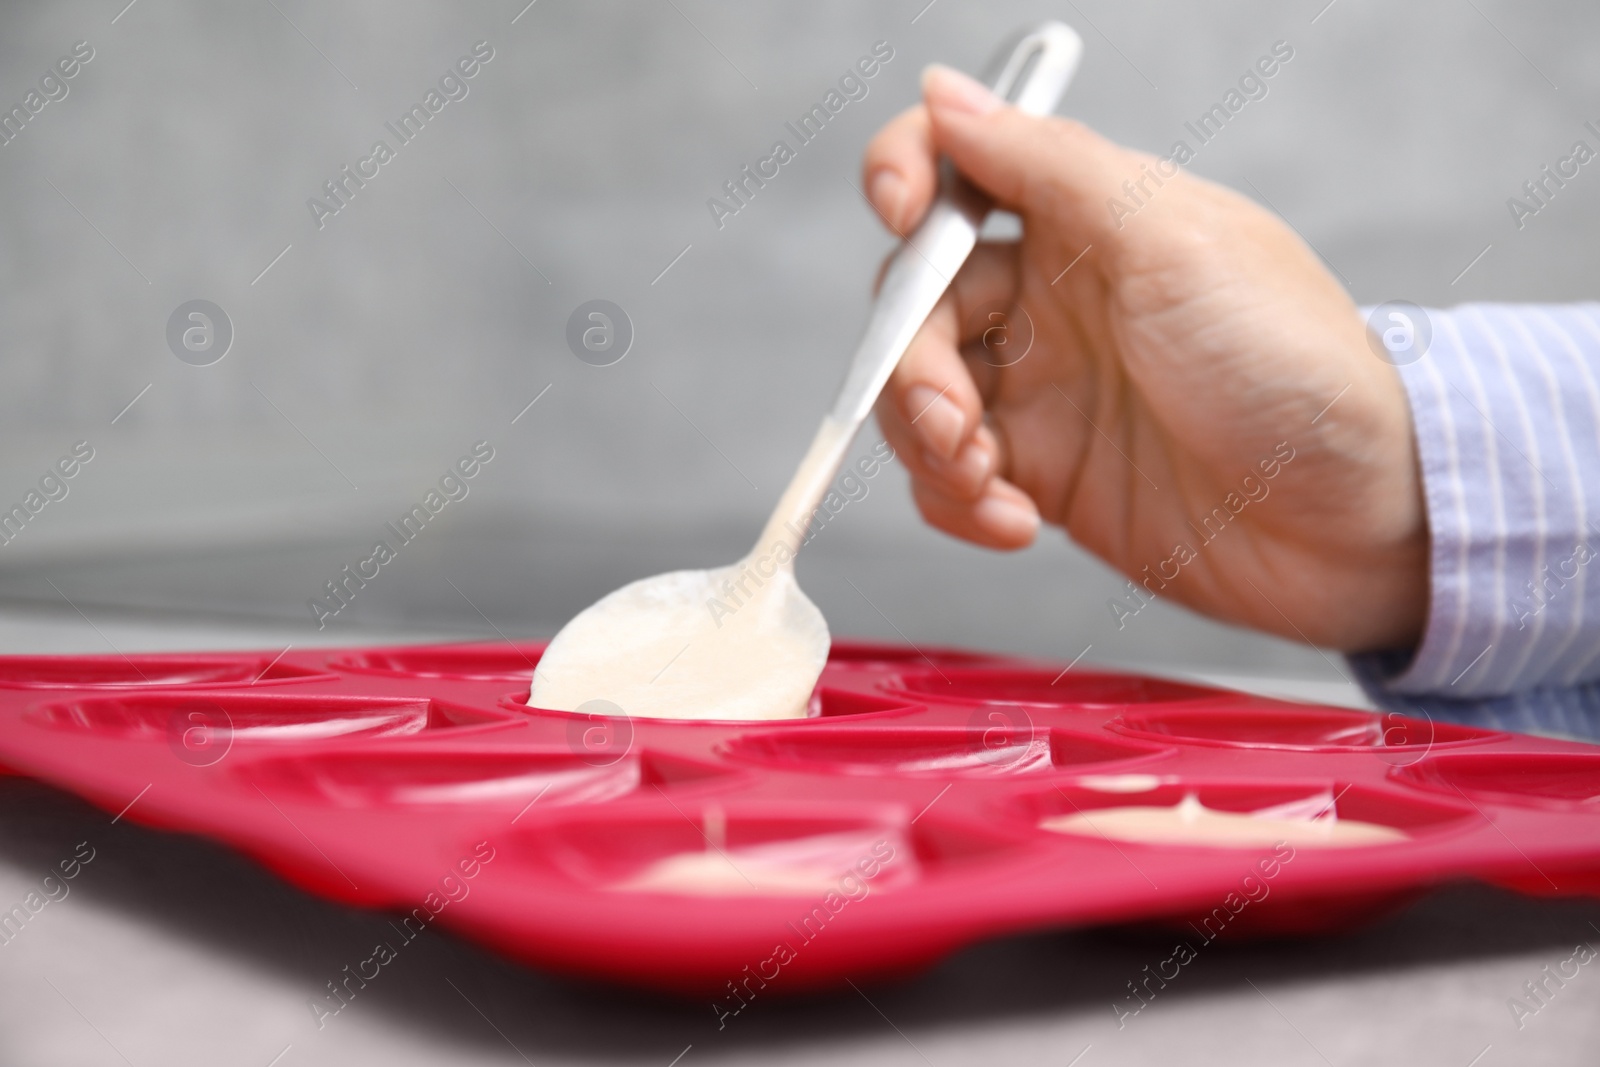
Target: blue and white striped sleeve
x=1505 y=403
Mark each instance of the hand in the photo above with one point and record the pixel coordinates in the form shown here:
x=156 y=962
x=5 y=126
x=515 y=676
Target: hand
x=1173 y=412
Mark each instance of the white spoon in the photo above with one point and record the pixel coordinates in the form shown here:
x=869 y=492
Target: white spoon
x=743 y=642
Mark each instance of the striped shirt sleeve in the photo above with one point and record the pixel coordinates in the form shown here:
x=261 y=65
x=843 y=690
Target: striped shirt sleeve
x=1505 y=403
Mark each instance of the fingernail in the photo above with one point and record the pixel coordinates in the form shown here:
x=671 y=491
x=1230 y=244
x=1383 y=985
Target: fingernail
x=1006 y=519
x=949 y=89
x=936 y=419
x=967 y=472
x=888 y=194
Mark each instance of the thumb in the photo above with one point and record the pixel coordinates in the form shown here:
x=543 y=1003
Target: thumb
x=1031 y=165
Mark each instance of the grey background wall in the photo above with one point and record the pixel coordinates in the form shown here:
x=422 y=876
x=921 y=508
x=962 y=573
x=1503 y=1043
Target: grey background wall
x=427 y=313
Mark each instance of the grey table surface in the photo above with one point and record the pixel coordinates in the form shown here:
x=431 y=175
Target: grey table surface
x=172 y=950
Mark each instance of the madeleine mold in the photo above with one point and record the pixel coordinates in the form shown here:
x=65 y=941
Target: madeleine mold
x=933 y=798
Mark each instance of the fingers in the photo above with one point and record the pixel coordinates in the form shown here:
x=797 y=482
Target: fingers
x=1033 y=166
x=985 y=295
x=931 y=396
x=987 y=279
x=1004 y=517
x=932 y=410
x=899 y=172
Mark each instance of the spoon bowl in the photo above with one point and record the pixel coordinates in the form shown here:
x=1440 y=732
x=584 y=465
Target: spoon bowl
x=681 y=645
x=743 y=642
x=736 y=642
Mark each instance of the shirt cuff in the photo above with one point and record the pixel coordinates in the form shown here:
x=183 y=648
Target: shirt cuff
x=1506 y=411
x=1571 y=713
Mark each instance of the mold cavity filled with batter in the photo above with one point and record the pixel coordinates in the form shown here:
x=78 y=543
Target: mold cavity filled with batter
x=1310 y=822
x=813 y=865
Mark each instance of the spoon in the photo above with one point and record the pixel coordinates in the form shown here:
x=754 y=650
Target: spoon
x=743 y=641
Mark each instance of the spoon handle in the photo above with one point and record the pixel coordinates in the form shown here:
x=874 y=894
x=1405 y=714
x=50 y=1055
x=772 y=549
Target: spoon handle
x=1033 y=73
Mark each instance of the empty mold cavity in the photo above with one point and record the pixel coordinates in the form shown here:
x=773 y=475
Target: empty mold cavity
x=826 y=703
x=1556 y=779
x=1292 y=727
x=706 y=851
x=838 y=703
x=936 y=750
x=121 y=672
x=264 y=717
x=1240 y=815
x=866 y=653
x=498 y=662
x=1048 y=689
x=492 y=778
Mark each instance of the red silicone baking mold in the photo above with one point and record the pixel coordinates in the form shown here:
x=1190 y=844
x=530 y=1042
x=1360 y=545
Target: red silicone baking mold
x=415 y=779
